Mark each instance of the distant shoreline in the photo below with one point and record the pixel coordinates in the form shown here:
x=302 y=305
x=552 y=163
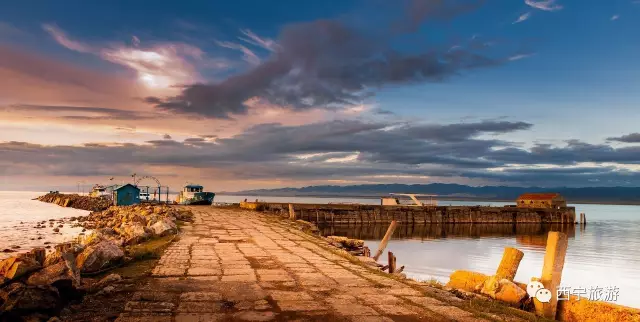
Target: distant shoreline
x=586 y=202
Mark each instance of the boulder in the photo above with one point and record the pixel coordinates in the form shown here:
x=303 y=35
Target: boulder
x=134 y=233
x=21 y=299
x=64 y=270
x=55 y=257
x=510 y=292
x=39 y=254
x=14 y=267
x=99 y=256
x=49 y=275
x=164 y=227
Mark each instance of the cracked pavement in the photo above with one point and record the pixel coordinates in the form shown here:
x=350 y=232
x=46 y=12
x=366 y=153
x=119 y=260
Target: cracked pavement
x=240 y=265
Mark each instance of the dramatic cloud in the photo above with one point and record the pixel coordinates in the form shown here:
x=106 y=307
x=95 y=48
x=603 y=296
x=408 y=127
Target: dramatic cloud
x=159 y=66
x=546 y=5
x=344 y=150
x=629 y=138
x=332 y=64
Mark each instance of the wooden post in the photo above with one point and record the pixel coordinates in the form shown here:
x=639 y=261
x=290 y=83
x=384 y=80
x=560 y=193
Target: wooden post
x=557 y=243
x=385 y=240
x=292 y=214
x=583 y=219
x=366 y=251
x=509 y=264
x=317 y=216
x=392 y=263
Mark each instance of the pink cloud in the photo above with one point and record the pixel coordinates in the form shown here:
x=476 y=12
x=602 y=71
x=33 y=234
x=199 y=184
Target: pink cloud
x=158 y=67
x=62 y=38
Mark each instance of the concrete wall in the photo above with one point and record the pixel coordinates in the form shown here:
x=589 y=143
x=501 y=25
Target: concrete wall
x=346 y=214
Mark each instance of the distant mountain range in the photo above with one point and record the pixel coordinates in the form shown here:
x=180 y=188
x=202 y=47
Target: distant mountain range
x=622 y=195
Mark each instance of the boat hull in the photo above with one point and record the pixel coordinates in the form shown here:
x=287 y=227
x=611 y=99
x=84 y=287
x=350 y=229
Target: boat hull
x=199 y=198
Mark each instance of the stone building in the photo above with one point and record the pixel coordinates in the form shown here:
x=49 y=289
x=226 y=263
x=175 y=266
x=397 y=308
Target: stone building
x=541 y=200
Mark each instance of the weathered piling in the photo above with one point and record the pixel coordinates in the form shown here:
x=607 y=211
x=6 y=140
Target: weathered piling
x=552 y=272
x=385 y=240
x=583 y=219
x=392 y=263
x=509 y=265
x=292 y=213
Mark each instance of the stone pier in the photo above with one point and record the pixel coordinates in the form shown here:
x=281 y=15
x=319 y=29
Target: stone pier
x=241 y=265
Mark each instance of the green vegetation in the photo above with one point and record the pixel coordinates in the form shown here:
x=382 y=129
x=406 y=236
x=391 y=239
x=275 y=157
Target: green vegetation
x=151 y=249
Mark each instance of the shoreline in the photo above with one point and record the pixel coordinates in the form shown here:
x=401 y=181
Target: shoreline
x=43 y=282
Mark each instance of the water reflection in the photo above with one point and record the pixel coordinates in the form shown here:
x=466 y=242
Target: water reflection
x=527 y=234
x=604 y=253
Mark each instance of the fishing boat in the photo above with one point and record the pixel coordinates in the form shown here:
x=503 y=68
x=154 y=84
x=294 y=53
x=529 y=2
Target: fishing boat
x=193 y=194
x=100 y=191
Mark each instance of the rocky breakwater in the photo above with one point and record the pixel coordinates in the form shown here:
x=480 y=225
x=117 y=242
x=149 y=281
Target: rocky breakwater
x=76 y=201
x=35 y=286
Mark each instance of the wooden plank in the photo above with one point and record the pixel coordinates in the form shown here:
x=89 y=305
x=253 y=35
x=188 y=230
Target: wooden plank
x=385 y=240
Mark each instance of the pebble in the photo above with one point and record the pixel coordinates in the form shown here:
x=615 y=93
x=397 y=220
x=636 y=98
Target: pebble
x=56 y=229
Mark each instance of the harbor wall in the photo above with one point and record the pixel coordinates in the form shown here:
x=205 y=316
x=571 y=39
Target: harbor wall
x=330 y=214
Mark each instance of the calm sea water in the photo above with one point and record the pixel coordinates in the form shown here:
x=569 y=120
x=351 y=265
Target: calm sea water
x=18 y=216
x=604 y=253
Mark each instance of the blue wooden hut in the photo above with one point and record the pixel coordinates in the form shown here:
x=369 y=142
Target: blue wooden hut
x=126 y=195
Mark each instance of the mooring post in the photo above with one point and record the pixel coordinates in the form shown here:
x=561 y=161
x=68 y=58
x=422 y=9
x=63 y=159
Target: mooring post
x=509 y=265
x=583 y=219
x=554 y=256
x=385 y=240
x=292 y=214
x=392 y=263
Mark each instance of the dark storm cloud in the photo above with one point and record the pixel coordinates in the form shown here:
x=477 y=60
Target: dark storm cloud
x=332 y=64
x=573 y=152
x=382 y=149
x=628 y=138
x=87 y=112
x=463 y=131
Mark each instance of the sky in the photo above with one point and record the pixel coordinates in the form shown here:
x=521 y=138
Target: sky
x=244 y=94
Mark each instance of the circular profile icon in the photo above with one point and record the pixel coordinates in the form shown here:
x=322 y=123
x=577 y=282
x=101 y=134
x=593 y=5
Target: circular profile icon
x=533 y=287
x=543 y=295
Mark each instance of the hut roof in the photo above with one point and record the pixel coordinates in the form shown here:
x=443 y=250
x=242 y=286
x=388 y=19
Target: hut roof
x=128 y=184
x=539 y=196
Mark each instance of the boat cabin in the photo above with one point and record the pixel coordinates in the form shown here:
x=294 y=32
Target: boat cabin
x=193 y=188
x=101 y=191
